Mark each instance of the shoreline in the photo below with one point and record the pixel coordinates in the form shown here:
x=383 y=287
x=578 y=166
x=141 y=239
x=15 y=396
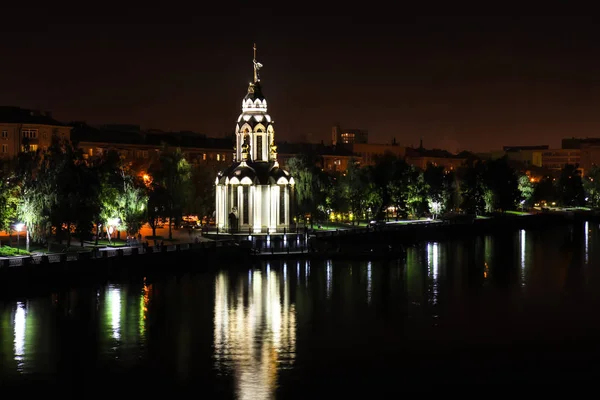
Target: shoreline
x=352 y=244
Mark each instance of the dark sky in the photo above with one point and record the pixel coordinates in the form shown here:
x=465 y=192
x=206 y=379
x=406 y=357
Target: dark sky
x=474 y=83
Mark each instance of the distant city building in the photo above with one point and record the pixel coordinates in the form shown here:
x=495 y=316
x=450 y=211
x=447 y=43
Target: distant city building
x=422 y=157
x=27 y=130
x=589 y=149
x=348 y=136
x=369 y=152
x=141 y=148
x=328 y=158
x=254 y=193
x=528 y=155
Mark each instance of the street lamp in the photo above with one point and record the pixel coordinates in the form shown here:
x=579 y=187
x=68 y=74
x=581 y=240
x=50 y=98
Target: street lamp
x=18 y=228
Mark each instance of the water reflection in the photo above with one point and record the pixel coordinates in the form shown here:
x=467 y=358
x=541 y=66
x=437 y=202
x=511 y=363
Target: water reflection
x=369 y=279
x=488 y=255
x=237 y=329
x=522 y=251
x=19 y=336
x=254 y=330
x=113 y=310
x=124 y=309
x=20 y=324
x=329 y=278
x=433 y=259
x=586 y=241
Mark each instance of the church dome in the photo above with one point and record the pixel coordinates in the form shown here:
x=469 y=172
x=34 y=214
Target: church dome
x=276 y=173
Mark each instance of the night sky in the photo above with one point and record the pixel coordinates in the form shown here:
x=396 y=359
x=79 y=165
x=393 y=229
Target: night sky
x=474 y=83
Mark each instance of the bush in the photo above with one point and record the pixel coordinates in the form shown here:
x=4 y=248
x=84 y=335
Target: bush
x=7 y=251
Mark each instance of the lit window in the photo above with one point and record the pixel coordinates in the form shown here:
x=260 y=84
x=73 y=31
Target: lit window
x=218 y=157
x=203 y=156
x=32 y=147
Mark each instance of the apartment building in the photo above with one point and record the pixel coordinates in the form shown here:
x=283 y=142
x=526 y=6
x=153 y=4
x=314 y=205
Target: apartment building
x=27 y=130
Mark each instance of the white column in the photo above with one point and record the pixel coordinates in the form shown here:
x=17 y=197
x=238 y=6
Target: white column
x=274 y=206
x=251 y=192
x=257 y=208
x=225 y=206
x=218 y=217
x=287 y=205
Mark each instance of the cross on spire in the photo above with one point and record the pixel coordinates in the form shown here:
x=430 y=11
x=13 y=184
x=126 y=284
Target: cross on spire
x=257 y=66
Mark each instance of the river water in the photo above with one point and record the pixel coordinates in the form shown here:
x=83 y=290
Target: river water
x=516 y=308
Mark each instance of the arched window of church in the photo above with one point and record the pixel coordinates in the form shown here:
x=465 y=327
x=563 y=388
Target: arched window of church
x=235 y=196
x=282 y=204
x=259 y=147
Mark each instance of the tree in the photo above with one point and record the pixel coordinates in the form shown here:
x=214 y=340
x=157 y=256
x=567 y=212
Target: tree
x=591 y=185
x=416 y=192
x=526 y=189
x=172 y=172
x=438 y=188
x=545 y=190
x=110 y=171
x=157 y=199
x=308 y=187
x=471 y=187
x=569 y=186
x=355 y=186
x=9 y=198
x=501 y=187
x=202 y=194
x=134 y=201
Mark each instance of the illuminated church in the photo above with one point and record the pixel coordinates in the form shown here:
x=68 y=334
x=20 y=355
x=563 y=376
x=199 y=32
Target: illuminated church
x=254 y=194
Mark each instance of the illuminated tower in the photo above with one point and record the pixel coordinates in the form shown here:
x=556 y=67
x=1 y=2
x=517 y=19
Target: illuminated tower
x=254 y=193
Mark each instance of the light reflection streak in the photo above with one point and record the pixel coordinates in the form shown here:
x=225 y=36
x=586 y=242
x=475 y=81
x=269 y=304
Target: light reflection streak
x=487 y=256
x=433 y=267
x=144 y=301
x=306 y=272
x=20 y=324
x=369 y=277
x=328 y=278
x=523 y=247
x=114 y=309
x=587 y=241
x=252 y=342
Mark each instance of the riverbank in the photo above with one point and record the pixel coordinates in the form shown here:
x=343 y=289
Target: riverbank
x=22 y=275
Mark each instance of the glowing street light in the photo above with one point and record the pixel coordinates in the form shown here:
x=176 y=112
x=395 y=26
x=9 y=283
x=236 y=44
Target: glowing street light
x=18 y=228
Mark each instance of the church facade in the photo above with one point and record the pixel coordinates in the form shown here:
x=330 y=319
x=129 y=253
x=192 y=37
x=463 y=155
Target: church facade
x=254 y=194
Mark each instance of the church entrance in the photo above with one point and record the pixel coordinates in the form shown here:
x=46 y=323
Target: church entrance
x=233 y=223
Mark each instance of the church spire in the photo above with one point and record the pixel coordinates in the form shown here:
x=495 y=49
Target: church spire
x=257 y=66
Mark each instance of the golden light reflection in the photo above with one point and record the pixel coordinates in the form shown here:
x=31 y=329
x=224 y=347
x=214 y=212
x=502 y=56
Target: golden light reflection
x=144 y=301
x=486 y=270
x=255 y=331
x=487 y=255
